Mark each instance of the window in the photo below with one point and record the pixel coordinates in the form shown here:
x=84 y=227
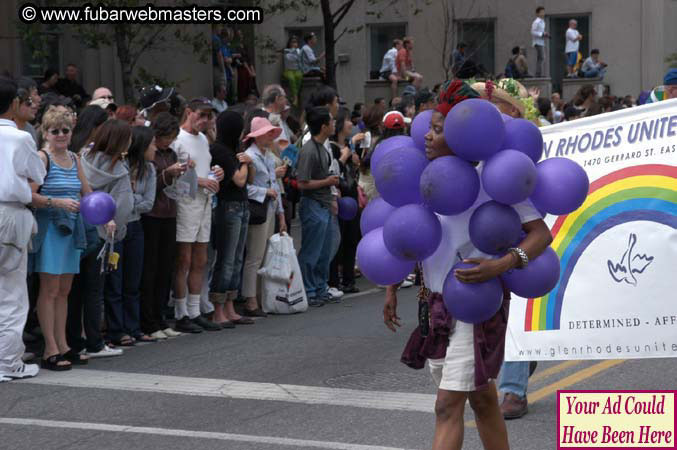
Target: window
x=35 y=60
x=381 y=40
x=300 y=33
x=480 y=38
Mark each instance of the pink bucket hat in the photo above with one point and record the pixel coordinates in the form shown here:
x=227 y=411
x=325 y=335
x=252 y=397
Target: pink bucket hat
x=261 y=126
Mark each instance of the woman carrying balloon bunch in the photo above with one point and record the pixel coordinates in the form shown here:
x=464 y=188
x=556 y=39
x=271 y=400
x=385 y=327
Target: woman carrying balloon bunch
x=464 y=356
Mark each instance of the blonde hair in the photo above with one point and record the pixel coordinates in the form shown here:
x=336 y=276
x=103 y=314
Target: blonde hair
x=56 y=117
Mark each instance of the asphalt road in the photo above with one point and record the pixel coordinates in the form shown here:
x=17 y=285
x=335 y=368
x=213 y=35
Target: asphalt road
x=329 y=378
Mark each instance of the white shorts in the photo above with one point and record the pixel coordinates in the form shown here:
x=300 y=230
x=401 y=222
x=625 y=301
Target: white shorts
x=456 y=372
x=194 y=219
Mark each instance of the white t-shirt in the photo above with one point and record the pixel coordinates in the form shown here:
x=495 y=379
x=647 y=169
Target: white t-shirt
x=537 y=30
x=389 y=61
x=456 y=240
x=19 y=162
x=196 y=147
x=572 y=41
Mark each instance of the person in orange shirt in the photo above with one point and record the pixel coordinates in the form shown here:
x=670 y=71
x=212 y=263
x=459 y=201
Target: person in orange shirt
x=405 y=67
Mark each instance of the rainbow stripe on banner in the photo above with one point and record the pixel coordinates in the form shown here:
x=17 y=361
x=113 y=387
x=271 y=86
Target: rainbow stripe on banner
x=646 y=192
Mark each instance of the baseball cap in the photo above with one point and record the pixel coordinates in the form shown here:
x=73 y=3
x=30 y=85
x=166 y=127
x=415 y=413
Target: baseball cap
x=394 y=120
x=200 y=103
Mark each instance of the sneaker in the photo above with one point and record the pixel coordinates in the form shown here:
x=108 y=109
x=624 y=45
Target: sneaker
x=206 y=324
x=185 y=325
x=514 y=406
x=335 y=293
x=170 y=332
x=352 y=289
x=159 y=335
x=23 y=371
x=328 y=298
x=406 y=284
x=105 y=352
x=4 y=378
x=315 y=302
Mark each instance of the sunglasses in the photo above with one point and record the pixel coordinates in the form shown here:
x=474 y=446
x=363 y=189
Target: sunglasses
x=207 y=115
x=56 y=131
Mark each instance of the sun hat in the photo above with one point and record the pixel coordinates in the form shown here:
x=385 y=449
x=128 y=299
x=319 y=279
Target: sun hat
x=152 y=95
x=261 y=126
x=506 y=91
x=394 y=120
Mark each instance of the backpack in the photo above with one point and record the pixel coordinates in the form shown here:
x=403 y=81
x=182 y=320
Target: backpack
x=511 y=69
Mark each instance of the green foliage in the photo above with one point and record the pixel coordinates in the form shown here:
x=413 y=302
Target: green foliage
x=672 y=60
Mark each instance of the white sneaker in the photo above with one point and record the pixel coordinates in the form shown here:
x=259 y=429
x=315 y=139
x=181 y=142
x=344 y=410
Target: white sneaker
x=105 y=352
x=159 y=334
x=170 y=332
x=23 y=371
x=4 y=378
x=406 y=284
x=335 y=293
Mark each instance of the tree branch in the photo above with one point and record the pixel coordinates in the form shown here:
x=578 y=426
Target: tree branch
x=339 y=36
x=346 y=7
x=339 y=10
x=134 y=58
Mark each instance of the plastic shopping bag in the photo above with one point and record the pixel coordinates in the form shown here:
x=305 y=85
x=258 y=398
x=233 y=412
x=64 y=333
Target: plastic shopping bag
x=282 y=295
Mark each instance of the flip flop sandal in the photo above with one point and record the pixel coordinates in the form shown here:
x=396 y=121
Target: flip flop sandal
x=75 y=358
x=52 y=363
x=124 y=341
x=243 y=321
x=145 y=338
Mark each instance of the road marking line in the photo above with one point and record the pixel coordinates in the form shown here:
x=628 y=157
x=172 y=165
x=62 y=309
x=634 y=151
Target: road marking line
x=209 y=387
x=360 y=294
x=192 y=434
x=574 y=378
x=543 y=374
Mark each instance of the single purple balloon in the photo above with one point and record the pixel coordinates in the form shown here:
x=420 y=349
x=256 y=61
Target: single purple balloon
x=375 y=215
x=97 y=208
x=537 y=279
x=449 y=185
x=561 y=187
x=523 y=135
x=386 y=146
x=509 y=177
x=412 y=232
x=347 y=208
x=494 y=227
x=420 y=127
x=398 y=176
x=474 y=129
x=377 y=263
x=506 y=118
x=471 y=302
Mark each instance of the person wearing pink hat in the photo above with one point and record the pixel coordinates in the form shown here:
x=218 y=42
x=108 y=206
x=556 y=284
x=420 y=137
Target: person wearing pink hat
x=264 y=202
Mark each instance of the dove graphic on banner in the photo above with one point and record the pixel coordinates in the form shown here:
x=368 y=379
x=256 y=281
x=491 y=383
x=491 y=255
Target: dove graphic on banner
x=629 y=265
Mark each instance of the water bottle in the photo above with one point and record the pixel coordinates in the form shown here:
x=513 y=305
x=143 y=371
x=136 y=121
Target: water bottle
x=211 y=176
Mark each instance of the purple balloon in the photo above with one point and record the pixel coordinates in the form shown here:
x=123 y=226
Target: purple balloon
x=386 y=146
x=537 y=278
x=420 y=127
x=398 y=176
x=377 y=264
x=471 y=302
x=375 y=215
x=561 y=187
x=449 y=185
x=97 y=208
x=474 y=129
x=523 y=135
x=506 y=118
x=347 y=208
x=494 y=227
x=509 y=177
x=412 y=232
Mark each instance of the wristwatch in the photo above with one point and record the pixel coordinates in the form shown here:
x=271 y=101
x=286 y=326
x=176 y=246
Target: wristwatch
x=522 y=255
x=49 y=202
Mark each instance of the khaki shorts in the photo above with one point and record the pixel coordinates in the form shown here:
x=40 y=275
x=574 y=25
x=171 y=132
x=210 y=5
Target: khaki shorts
x=194 y=219
x=456 y=372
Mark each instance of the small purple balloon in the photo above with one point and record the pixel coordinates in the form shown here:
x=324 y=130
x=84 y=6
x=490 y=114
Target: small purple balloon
x=523 y=135
x=386 y=146
x=375 y=215
x=449 y=185
x=474 y=129
x=537 y=279
x=420 y=127
x=398 y=176
x=412 y=232
x=97 y=208
x=494 y=227
x=347 y=208
x=561 y=187
x=377 y=263
x=471 y=302
x=509 y=177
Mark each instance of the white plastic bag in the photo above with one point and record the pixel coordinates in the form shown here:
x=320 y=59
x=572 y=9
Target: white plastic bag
x=282 y=283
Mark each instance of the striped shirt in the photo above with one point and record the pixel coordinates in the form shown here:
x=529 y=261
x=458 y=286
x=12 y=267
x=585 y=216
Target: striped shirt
x=62 y=182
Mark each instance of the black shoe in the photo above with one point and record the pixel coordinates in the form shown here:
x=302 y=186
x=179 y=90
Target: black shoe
x=206 y=324
x=185 y=325
x=351 y=289
x=532 y=367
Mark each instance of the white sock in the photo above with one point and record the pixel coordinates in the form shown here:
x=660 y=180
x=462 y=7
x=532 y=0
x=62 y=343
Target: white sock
x=180 y=310
x=193 y=305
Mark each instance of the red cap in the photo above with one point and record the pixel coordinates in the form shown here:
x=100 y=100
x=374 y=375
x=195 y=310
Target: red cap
x=394 y=120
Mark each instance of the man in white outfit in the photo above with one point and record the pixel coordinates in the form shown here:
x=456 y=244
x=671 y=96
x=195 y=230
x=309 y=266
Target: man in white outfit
x=538 y=35
x=20 y=163
x=573 y=38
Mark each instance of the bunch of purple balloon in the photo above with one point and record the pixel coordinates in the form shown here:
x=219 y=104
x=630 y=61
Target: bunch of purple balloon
x=401 y=227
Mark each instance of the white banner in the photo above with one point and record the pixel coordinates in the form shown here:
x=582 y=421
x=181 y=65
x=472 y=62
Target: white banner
x=617 y=293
